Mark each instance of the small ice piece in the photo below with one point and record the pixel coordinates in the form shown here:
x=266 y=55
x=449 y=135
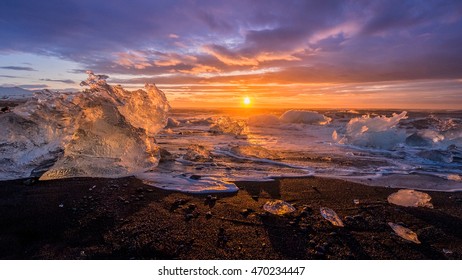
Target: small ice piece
x=447 y=251
x=278 y=207
x=404 y=233
x=410 y=198
x=204 y=185
x=331 y=216
x=356 y=201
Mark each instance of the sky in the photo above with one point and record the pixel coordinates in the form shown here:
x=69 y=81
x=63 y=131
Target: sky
x=291 y=54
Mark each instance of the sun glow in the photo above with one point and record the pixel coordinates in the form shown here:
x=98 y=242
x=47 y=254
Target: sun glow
x=246 y=101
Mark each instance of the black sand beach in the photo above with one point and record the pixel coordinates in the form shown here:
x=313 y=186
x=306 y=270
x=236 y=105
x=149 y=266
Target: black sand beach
x=86 y=218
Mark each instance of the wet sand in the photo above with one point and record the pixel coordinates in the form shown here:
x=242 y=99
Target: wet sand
x=89 y=218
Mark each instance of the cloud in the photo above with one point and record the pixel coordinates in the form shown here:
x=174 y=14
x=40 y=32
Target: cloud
x=224 y=41
x=17 y=68
x=33 y=86
x=64 y=81
x=235 y=58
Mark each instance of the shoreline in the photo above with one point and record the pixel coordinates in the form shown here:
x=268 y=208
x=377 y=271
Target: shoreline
x=93 y=218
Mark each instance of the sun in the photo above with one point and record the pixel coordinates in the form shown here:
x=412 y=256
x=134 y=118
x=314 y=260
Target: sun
x=247 y=101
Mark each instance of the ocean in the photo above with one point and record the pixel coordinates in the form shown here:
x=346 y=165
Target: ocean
x=205 y=149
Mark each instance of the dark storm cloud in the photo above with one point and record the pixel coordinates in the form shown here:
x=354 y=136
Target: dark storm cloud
x=305 y=41
x=17 y=68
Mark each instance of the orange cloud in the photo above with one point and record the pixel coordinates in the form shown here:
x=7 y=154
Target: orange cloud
x=133 y=59
x=241 y=60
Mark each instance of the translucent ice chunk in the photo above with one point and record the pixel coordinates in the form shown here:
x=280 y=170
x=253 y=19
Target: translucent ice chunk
x=278 y=207
x=410 y=198
x=331 y=216
x=405 y=233
x=105 y=131
x=197 y=153
x=186 y=184
x=378 y=132
x=227 y=125
x=302 y=116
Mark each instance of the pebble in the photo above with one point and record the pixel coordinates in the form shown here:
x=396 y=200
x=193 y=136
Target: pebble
x=195 y=177
x=127 y=202
x=189 y=217
x=245 y=212
x=312 y=243
x=255 y=197
x=208 y=215
x=192 y=206
x=179 y=202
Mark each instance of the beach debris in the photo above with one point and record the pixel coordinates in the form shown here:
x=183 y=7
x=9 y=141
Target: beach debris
x=331 y=216
x=410 y=198
x=278 y=207
x=404 y=233
x=356 y=201
x=245 y=212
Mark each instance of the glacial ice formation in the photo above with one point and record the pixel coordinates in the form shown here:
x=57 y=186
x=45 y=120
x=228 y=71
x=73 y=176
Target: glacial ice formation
x=104 y=131
x=404 y=233
x=302 y=116
x=331 y=216
x=202 y=185
x=410 y=198
x=278 y=207
x=289 y=117
x=227 y=125
x=378 y=132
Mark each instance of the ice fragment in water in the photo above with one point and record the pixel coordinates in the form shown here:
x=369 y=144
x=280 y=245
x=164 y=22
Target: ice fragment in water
x=410 y=198
x=331 y=216
x=197 y=153
x=378 y=132
x=278 y=207
x=226 y=125
x=404 y=233
x=305 y=117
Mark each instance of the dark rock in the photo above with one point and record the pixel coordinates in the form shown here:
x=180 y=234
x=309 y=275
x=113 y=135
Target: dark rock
x=188 y=216
x=246 y=212
x=30 y=182
x=208 y=215
x=192 y=206
x=312 y=243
